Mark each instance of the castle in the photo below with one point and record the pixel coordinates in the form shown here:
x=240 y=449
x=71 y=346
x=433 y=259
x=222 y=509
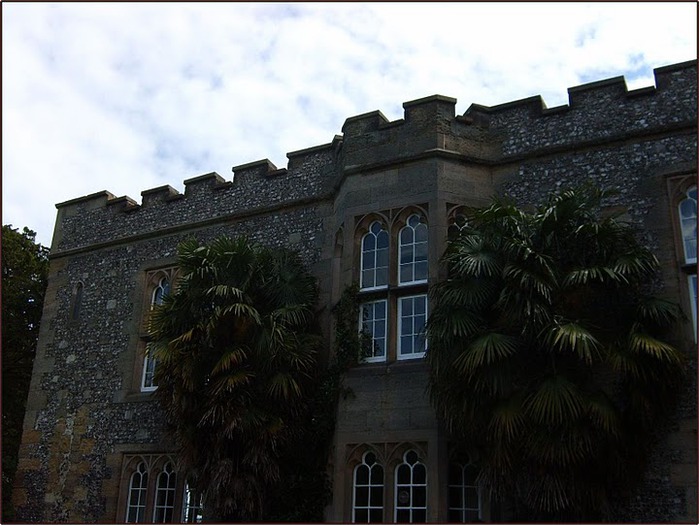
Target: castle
x=93 y=447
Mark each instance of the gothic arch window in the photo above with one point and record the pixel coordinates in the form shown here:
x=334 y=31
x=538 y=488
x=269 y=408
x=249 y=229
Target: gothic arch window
x=164 y=504
x=159 y=285
x=464 y=496
x=392 y=257
x=374 y=258
x=368 y=490
x=412 y=251
x=411 y=489
x=138 y=491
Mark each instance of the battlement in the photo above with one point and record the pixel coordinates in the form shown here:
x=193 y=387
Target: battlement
x=597 y=111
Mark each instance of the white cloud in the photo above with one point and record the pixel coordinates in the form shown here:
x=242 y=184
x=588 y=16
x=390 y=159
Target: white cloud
x=129 y=96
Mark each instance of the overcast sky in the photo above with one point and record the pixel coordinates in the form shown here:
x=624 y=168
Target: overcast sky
x=125 y=97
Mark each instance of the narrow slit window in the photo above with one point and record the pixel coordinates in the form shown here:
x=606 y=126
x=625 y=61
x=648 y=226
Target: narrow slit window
x=688 y=225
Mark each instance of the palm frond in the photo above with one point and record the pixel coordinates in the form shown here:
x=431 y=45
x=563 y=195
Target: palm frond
x=555 y=401
x=485 y=350
x=574 y=337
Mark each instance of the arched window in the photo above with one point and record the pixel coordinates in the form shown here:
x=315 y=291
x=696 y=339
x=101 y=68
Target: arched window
x=688 y=225
x=464 y=498
x=457 y=224
x=367 y=500
x=138 y=488
x=374 y=259
x=161 y=289
x=411 y=490
x=164 y=504
x=412 y=250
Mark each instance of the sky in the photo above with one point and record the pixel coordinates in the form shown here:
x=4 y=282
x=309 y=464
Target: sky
x=125 y=97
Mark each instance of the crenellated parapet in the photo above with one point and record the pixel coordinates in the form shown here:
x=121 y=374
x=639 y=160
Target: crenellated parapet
x=255 y=187
x=598 y=113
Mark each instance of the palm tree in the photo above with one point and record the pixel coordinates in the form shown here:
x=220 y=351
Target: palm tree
x=547 y=354
x=236 y=350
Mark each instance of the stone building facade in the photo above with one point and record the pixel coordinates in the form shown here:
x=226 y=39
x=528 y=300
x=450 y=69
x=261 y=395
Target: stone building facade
x=93 y=448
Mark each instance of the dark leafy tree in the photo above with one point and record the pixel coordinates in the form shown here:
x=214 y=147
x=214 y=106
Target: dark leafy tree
x=236 y=350
x=24 y=273
x=547 y=355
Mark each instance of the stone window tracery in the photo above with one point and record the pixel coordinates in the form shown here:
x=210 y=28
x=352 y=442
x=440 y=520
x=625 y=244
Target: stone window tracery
x=464 y=496
x=392 y=249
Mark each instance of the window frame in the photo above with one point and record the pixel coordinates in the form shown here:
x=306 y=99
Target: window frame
x=374 y=358
x=410 y=507
x=400 y=356
x=375 y=254
x=369 y=485
x=413 y=244
x=462 y=486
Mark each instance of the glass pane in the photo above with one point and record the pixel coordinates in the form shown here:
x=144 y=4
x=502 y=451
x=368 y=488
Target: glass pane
x=368 y=261
x=413 y=221
x=406 y=325
x=419 y=474
x=361 y=498
x=406 y=307
x=370 y=458
x=361 y=516
x=402 y=516
x=382 y=258
x=380 y=348
x=421 y=233
x=376 y=515
x=406 y=344
x=367 y=278
x=380 y=329
x=376 y=495
x=420 y=304
x=421 y=270
x=455 y=497
x=375 y=227
x=382 y=240
x=406 y=254
x=688 y=208
x=369 y=243
x=419 y=497
x=403 y=475
x=381 y=277
x=421 y=251
x=419 y=516
x=377 y=475
x=406 y=273
x=380 y=309
x=411 y=457
x=362 y=475
x=406 y=236
x=454 y=516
